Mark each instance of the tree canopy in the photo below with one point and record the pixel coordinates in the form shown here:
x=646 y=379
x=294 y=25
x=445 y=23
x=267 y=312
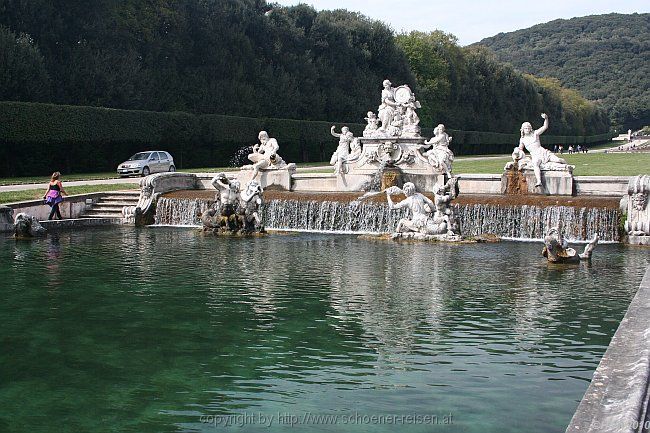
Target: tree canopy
x=250 y=58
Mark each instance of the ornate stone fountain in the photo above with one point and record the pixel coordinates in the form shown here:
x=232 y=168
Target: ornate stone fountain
x=391 y=142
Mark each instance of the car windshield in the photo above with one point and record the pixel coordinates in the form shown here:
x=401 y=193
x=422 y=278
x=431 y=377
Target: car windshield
x=140 y=156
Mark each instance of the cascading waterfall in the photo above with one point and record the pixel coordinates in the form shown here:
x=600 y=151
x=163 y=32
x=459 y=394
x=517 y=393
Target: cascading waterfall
x=331 y=216
x=532 y=222
x=180 y=211
x=519 y=222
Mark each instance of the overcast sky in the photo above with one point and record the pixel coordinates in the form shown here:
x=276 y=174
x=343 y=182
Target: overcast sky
x=473 y=20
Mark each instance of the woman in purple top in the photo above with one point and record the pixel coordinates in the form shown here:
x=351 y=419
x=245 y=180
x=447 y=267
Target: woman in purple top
x=54 y=195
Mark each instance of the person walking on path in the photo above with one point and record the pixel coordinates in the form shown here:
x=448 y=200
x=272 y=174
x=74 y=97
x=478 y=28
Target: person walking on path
x=54 y=195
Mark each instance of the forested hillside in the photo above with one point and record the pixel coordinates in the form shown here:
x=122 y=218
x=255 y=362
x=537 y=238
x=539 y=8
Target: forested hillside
x=605 y=57
x=471 y=88
x=250 y=58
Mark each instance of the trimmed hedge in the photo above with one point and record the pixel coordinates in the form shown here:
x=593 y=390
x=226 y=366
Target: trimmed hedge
x=41 y=138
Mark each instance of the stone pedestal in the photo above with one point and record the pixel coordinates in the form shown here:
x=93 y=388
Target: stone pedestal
x=553 y=183
x=379 y=155
x=274 y=178
x=6 y=219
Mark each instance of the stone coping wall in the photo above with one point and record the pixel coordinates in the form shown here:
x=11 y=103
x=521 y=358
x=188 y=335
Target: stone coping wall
x=486 y=184
x=72 y=207
x=496 y=200
x=617 y=399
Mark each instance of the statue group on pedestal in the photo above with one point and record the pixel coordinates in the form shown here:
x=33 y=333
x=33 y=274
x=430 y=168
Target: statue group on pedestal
x=265 y=155
x=234 y=211
x=396 y=119
x=540 y=159
x=396 y=113
x=428 y=218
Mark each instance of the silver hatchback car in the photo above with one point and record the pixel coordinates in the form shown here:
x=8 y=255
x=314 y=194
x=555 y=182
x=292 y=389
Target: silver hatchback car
x=145 y=163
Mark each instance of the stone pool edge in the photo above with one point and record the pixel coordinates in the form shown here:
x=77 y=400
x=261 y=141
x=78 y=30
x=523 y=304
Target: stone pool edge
x=617 y=398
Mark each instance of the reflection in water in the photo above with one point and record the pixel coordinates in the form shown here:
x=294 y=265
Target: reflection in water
x=155 y=327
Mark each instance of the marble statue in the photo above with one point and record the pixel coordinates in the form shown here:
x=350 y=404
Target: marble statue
x=372 y=126
x=388 y=106
x=223 y=214
x=250 y=201
x=439 y=155
x=540 y=158
x=27 y=226
x=428 y=219
x=265 y=154
x=443 y=195
x=635 y=206
x=234 y=211
x=396 y=125
x=556 y=248
x=342 y=153
x=397 y=114
x=411 y=122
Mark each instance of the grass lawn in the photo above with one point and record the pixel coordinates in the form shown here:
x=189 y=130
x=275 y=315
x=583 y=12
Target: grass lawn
x=36 y=194
x=587 y=164
x=112 y=175
x=591 y=164
x=64 y=177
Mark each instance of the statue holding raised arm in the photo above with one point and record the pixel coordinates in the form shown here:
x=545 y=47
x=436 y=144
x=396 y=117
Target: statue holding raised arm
x=541 y=158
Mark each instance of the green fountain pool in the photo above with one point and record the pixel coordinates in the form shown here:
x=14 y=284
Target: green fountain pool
x=165 y=330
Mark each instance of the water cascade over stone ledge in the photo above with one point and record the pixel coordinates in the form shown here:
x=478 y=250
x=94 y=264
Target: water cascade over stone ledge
x=342 y=213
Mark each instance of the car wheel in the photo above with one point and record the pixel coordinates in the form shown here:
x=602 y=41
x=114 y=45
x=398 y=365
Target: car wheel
x=172 y=169
x=145 y=171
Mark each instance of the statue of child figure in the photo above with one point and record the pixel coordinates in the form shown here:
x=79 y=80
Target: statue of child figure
x=372 y=126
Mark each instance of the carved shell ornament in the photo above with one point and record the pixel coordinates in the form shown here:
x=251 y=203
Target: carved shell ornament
x=403 y=94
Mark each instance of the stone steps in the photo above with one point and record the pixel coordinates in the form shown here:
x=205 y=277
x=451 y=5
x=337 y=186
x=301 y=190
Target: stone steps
x=110 y=206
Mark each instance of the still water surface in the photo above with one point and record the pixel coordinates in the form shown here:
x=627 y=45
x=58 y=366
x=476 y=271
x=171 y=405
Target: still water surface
x=165 y=330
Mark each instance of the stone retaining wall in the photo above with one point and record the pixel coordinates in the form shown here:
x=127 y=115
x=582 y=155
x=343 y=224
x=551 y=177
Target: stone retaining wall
x=617 y=399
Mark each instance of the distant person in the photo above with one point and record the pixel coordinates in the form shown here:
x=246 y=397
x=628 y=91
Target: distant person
x=556 y=148
x=570 y=149
x=54 y=195
x=561 y=149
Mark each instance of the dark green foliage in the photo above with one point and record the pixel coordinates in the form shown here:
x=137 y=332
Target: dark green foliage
x=605 y=57
x=234 y=57
x=22 y=69
x=41 y=138
x=198 y=64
